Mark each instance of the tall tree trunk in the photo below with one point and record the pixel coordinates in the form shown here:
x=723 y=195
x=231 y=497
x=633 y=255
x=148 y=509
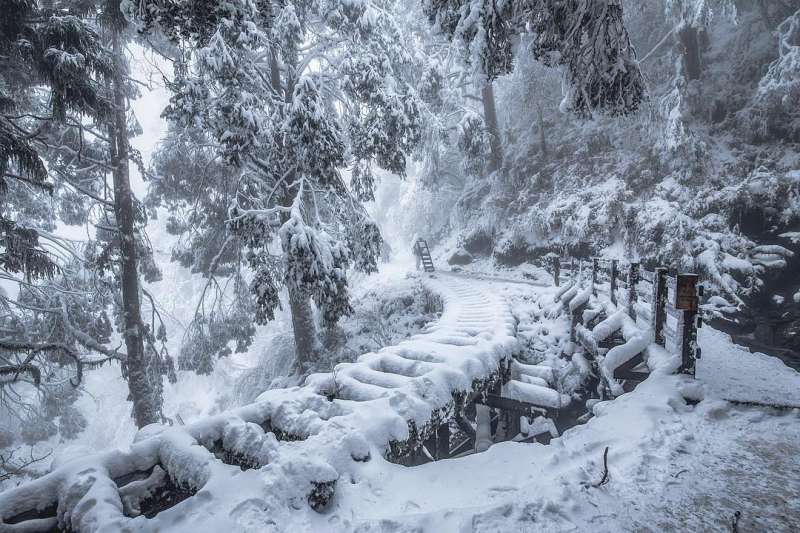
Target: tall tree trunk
x=490 y=118
x=275 y=72
x=690 y=49
x=304 y=328
x=146 y=404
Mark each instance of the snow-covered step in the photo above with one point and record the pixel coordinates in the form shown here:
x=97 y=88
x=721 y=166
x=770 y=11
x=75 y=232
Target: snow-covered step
x=533 y=380
x=535 y=395
x=545 y=373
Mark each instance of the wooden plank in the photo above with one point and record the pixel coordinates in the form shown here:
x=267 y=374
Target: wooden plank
x=626 y=370
x=686 y=292
x=443 y=441
x=467 y=445
x=508 y=404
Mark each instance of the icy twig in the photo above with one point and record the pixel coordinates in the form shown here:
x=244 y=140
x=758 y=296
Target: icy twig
x=604 y=479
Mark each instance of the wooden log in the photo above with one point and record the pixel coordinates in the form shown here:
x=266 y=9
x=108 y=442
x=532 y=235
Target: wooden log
x=613 y=289
x=633 y=279
x=626 y=370
x=443 y=441
x=686 y=300
x=507 y=404
x=556 y=270
x=658 y=302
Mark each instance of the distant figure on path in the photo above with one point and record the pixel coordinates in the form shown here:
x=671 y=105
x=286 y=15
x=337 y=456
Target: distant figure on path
x=417 y=250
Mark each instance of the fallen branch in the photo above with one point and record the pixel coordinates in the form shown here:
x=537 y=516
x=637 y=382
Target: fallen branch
x=604 y=480
x=735 y=522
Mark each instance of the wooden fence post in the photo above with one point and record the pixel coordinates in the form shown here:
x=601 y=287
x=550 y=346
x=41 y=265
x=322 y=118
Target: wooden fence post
x=594 y=276
x=686 y=300
x=613 y=281
x=659 y=298
x=633 y=296
x=443 y=441
x=556 y=269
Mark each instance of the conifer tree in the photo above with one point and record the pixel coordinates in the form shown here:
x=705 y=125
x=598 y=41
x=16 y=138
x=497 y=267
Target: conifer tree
x=56 y=150
x=587 y=38
x=288 y=94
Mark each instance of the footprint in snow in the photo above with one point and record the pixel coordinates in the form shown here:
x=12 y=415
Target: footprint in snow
x=501 y=489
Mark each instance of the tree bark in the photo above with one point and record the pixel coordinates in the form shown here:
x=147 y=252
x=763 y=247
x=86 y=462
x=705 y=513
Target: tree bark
x=542 y=138
x=690 y=49
x=146 y=406
x=492 y=127
x=303 y=326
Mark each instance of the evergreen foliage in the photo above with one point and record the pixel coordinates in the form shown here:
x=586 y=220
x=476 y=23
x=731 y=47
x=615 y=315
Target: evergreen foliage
x=286 y=94
x=587 y=38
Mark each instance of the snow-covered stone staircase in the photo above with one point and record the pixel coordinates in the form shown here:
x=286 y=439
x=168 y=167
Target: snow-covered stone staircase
x=292 y=445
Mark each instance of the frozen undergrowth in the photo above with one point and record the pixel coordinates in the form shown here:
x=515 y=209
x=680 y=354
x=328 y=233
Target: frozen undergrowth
x=239 y=378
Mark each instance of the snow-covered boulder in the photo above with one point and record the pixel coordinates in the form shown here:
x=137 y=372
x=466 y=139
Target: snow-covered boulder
x=460 y=257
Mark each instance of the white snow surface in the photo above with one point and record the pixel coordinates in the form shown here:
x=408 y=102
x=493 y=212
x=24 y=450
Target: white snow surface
x=730 y=372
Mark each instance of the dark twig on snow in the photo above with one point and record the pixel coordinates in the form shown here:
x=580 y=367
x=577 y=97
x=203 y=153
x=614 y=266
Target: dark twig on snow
x=679 y=472
x=735 y=522
x=10 y=467
x=604 y=480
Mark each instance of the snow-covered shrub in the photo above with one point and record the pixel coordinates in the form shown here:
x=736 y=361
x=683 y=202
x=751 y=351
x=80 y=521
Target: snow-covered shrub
x=511 y=250
x=273 y=370
x=473 y=142
x=71 y=423
x=6 y=438
x=460 y=257
x=36 y=429
x=775 y=113
x=480 y=240
x=56 y=400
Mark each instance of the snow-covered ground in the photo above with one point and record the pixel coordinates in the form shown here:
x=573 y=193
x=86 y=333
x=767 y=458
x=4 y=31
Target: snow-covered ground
x=673 y=466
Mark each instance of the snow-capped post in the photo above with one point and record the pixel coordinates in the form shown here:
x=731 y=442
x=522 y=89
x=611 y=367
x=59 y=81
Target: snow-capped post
x=556 y=269
x=613 y=286
x=594 y=276
x=657 y=313
x=633 y=280
x=685 y=302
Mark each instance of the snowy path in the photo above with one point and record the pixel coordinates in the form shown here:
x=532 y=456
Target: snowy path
x=673 y=467
x=491 y=278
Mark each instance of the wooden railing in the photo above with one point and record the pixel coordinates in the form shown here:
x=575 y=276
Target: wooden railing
x=667 y=303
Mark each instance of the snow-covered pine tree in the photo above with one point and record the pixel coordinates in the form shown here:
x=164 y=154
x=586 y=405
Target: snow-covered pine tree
x=289 y=93
x=59 y=314
x=585 y=37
